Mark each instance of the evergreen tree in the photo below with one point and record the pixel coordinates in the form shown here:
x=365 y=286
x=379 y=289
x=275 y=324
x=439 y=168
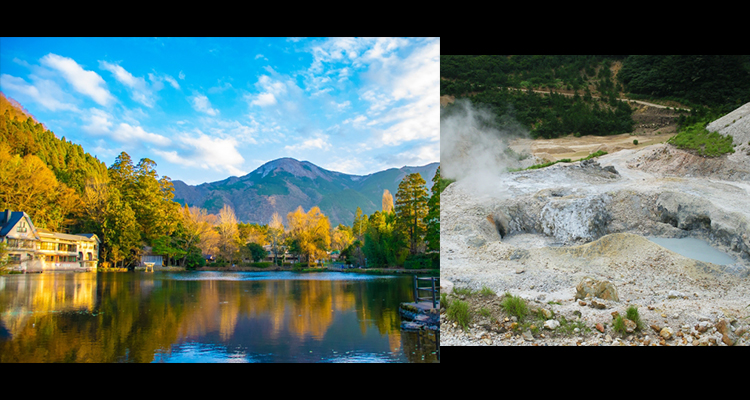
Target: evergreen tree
x=411 y=209
x=432 y=220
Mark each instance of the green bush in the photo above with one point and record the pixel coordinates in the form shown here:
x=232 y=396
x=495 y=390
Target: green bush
x=632 y=314
x=635 y=142
x=698 y=139
x=514 y=305
x=458 y=311
x=422 y=261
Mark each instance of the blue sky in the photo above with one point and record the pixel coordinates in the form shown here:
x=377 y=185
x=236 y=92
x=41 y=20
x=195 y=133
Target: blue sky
x=205 y=109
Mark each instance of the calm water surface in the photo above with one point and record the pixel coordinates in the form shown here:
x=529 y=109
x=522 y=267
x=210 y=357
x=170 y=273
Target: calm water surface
x=694 y=248
x=208 y=317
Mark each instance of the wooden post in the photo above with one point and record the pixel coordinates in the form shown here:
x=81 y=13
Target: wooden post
x=416 y=293
x=434 y=305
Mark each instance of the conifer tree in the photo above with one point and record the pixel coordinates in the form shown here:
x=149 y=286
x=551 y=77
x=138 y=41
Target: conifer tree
x=411 y=209
x=432 y=220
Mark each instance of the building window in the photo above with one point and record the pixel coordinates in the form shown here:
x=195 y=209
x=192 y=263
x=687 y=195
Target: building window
x=47 y=246
x=21 y=227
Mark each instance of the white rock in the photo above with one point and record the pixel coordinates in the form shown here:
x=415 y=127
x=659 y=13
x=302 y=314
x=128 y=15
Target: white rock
x=551 y=324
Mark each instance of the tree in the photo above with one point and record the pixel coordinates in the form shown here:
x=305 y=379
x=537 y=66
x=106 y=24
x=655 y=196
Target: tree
x=384 y=245
x=387 y=201
x=198 y=229
x=359 y=225
x=312 y=230
x=432 y=220
x=341 y=237
x=119 y=229
x=411 y=209
x=228 y=233
x=275 y=234
x=27 y=184
x=257 y=251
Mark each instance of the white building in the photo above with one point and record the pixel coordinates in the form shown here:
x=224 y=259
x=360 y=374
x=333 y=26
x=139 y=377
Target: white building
x=36 y=250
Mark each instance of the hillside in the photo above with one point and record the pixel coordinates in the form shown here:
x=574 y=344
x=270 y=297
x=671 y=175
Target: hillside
x=283 y=185
x=588 y=89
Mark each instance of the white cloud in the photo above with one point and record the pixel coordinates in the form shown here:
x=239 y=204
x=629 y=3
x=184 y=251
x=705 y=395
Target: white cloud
x=181 y=75
x=341 y=106
x=139 y=89
x=351 y=166
x=85 y=82
x=172 y=82
x=127 y=133
x=201 y=103
x=271 y=89
x=43 y=91
x=264 y=99
x=207 y=152
x=319 y=142
x=99 y=122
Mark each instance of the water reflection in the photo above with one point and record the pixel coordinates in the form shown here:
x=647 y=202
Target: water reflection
x=207 y=317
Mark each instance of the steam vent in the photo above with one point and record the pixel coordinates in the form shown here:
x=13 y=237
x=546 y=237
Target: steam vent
x=540 y=234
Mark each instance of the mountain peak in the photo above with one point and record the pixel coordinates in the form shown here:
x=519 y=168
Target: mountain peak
x=292 y=166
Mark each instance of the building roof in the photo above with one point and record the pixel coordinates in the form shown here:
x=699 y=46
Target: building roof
x=9 y=219
x=65 y=236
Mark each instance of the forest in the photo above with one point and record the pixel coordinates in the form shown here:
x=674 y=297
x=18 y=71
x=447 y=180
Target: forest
x=712 y=85
x=132 y=210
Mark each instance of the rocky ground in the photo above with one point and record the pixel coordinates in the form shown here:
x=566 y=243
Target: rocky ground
x=541 y=235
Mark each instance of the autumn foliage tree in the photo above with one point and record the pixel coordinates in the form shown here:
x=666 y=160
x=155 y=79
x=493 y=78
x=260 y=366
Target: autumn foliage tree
x=312 y=231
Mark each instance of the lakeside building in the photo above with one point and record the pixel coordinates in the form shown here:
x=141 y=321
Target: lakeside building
x=32 y=249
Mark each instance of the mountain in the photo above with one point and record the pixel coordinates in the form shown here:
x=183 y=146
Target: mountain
x=283 y=185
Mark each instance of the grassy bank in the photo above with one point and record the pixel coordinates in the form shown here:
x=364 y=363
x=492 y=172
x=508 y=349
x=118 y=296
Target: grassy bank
x=697 y=139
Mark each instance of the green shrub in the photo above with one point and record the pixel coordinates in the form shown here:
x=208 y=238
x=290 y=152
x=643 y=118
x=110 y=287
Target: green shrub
x=632 y=314
x=514 y=305
x=462 y=291
x=635 y=142
x=619 y=325
x=698 y=139
x=422 y=261
x=458 y=311
x=486 y=291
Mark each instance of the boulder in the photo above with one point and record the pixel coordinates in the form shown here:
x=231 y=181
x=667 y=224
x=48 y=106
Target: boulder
x=594 y=288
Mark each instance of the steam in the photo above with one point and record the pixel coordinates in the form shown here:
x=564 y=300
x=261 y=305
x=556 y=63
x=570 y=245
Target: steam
x=474 y=144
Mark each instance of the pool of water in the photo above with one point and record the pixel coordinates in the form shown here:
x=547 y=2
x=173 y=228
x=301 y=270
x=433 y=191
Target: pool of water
x=694 y=248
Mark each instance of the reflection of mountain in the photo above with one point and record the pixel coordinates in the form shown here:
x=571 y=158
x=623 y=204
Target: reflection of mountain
x=283 y=185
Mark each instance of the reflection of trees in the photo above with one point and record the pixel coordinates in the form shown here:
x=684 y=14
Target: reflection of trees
x=130 y=317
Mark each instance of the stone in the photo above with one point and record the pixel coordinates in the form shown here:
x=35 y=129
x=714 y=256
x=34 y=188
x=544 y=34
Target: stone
x=551 y=324
x=703 y=326
x=629 y=325
x=666 y=333
x=723 y=327
x=546 y=313
x=598 y=304
x=600 y=327
x=673 y=294
x=527 y=336
x=589 y=287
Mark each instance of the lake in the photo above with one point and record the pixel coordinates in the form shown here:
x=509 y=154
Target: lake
x=208 y=317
